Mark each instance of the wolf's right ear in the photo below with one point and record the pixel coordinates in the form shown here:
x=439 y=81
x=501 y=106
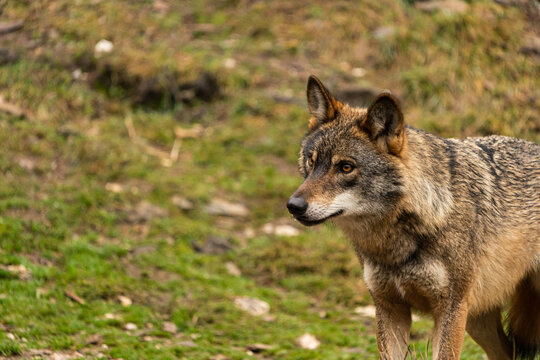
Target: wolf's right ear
x=322 y=105
x=384 y=124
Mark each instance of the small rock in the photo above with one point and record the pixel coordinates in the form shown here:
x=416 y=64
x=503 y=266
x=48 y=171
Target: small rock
x=147 y=338
x=249 y=233
x=125 y=301
x=308 y=341
x=145 y=211
x=226 y=208
x=76 y=74
x=214 y=245
x=229 y=63
x=232 y=269
x=169 y=327
x=114 y=187
x=280 y=230
x=130 y=327
x=367 y=311
x=10 y=336
x=110 y=316
x=182 y=202
x=286 y=230
x=103 y=46
x=446 y=6
x=358 y=72
x=252 y=306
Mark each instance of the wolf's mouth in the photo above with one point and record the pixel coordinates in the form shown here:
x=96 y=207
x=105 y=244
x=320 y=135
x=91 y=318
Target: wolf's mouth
x=308 y=222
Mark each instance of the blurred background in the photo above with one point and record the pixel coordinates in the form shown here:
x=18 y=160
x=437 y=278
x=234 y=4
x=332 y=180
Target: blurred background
x=148 y=148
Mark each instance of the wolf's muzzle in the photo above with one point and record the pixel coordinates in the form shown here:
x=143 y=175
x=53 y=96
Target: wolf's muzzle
x=297 y=205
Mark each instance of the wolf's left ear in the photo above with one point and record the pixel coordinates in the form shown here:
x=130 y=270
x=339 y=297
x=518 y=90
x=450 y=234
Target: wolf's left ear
x=322 y=105
x=384 y=123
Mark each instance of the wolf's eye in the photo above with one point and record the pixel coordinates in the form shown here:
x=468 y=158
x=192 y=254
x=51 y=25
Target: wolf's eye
x=310 y=162
x=346 y=168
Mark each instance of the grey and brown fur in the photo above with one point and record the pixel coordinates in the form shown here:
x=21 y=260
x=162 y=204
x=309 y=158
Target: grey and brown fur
x=445 y=226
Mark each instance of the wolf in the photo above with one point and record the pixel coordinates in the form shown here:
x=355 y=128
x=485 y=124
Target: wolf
x=448 y=227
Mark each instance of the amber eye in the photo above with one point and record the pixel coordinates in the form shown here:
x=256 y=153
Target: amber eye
x=310 y=162
x=346 y=168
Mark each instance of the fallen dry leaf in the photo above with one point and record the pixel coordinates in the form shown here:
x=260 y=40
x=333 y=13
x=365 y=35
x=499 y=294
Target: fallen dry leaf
x=232 y=269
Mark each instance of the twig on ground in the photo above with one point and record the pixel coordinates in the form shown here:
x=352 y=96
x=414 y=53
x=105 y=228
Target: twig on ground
x=71 y=294
x=167 y=159
x=9 y=27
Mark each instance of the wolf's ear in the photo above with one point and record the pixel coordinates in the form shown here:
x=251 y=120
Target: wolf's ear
x=322 y=105
x=384 y=123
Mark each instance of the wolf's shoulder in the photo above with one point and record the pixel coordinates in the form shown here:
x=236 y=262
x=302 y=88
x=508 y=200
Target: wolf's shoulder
x=505 y=144
x=508 y=150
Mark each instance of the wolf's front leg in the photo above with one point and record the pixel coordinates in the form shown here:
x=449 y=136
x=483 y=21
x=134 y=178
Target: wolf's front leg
x=450 y=323
x=393 y=329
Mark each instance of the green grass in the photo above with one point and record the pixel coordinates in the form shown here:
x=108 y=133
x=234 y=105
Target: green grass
x=457 y=75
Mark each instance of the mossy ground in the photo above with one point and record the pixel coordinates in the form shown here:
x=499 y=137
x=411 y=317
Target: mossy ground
x=456 y=75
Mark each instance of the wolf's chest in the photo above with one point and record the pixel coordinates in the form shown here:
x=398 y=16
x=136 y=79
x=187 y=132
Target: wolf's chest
x=418 y=284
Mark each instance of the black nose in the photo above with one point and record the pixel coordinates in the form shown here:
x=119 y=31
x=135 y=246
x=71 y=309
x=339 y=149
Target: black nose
x=297 y=205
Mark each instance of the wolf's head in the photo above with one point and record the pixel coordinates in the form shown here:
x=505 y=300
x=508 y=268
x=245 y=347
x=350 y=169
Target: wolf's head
x=350 y=158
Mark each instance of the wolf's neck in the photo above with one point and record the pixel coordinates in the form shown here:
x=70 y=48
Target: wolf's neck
x=426 y=179
x=378 y=239
x=425 y=207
